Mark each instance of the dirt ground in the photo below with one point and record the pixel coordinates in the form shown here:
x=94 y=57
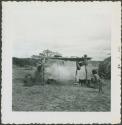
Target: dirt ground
x=62 y=96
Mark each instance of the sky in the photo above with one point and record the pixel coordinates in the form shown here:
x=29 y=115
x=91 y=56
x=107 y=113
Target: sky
x=71 y=28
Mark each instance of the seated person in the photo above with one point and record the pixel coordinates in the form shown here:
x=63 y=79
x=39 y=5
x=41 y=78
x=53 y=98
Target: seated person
x=36 y=78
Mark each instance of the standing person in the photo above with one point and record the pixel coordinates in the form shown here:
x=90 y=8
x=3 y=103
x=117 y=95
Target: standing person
x=80 y=72
x=84 y=79
x=38 y=78
x=97 y=81
x=86 y=63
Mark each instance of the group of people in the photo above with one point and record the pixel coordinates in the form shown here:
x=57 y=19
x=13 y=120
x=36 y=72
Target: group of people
x=86 y=76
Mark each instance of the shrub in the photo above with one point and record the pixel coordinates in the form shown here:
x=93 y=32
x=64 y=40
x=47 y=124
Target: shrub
x=104 y=69
x=24 y=62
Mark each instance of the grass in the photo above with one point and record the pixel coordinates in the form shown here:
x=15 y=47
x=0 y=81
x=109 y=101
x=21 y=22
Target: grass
x=63 y=96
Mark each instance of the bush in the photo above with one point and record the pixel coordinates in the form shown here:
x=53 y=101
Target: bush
x=104 y=69
x=24 y=62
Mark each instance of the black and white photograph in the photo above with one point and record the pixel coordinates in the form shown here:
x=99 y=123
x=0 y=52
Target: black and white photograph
x=61 y=58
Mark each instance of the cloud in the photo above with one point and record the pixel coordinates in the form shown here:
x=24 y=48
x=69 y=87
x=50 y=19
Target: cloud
x=71 y=30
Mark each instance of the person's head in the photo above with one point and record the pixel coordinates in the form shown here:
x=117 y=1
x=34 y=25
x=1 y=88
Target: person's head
x=39 y=68
x=94 y=71
x=85 y=56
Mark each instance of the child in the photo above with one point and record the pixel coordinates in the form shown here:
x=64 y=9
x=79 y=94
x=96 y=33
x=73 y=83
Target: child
x=34 y=78
x=96 y=79
x=28 y=80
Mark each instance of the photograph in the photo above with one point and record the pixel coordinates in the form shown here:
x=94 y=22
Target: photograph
x=62 y=63
x=60 y=56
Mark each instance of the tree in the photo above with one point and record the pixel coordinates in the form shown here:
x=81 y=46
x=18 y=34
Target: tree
x=47 y=53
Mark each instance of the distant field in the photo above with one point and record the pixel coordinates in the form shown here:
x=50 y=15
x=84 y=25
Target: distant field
x=61 y=96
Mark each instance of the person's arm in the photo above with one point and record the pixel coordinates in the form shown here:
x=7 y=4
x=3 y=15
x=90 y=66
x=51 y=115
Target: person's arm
x=77 y=65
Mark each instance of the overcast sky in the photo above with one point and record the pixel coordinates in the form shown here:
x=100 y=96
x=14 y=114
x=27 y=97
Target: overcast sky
x=71 y=29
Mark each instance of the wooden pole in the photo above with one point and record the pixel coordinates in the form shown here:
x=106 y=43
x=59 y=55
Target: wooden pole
x=85 y=61
x=86 y=74
x=76 y=73
x=43 y=74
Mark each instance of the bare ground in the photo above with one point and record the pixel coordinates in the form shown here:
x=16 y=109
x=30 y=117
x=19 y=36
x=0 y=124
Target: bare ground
x=63 y=96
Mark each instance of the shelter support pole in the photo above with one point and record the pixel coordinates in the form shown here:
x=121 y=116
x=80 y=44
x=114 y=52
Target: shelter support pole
x=86 y=74
x=76 y=73
x=43 y=74
x=86 y=62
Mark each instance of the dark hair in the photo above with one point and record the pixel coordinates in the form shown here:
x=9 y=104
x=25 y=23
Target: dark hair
x=85 y=55
x=94 y=71
x=39 y=68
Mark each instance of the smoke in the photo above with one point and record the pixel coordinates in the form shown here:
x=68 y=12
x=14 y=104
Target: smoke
x=60 y=72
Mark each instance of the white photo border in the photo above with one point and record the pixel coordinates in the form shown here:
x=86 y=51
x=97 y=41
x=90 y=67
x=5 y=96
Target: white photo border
x=114 y=116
